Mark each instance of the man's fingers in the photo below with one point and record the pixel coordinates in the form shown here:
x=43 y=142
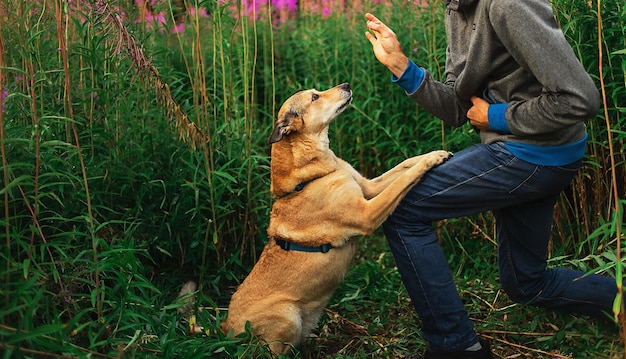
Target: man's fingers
x=373 y=22
x=370 y=17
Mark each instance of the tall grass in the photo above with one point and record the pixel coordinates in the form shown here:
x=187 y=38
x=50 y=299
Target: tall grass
x=107 y=209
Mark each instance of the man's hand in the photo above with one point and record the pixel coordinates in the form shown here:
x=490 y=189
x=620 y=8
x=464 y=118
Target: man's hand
x=478 y=114
x=385 y=45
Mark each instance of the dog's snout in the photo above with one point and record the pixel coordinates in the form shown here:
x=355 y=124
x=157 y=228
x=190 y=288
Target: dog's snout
x=345 y=86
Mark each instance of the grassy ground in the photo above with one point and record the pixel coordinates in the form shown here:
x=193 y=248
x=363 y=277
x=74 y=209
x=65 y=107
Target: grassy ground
x=382 y=322
x=371 y=315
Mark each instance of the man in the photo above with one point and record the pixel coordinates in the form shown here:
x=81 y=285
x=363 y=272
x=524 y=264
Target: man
x=511 y=73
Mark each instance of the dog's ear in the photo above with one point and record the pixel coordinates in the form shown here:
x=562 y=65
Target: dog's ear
x=284 y=126
x=277 y=134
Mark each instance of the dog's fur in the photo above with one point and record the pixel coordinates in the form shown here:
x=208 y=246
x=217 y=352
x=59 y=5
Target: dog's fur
x=321 y=200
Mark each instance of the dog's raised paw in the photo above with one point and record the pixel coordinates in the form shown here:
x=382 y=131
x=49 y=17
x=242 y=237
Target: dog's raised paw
x=438 y=157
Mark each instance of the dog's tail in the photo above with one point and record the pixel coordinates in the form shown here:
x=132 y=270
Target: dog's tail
x=187 y=299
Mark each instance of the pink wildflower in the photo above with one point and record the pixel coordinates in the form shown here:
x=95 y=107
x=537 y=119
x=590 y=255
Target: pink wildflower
x=178 y=28
x=201 y=12
x=290 y=5
x=157 y=21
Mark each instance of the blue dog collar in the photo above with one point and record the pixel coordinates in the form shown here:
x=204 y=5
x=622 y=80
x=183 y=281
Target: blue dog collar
x=288 y=246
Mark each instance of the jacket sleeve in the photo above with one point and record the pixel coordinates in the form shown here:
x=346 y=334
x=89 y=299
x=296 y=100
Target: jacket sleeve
x=440 y=99
x=529 y=32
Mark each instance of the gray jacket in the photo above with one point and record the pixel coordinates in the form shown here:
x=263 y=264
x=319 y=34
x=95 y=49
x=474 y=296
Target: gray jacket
x=512 y=51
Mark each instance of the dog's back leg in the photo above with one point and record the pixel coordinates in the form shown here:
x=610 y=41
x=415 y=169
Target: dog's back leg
x=282 y=330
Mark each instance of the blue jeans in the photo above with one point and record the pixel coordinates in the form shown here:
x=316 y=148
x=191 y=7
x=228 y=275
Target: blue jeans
x=522 y=197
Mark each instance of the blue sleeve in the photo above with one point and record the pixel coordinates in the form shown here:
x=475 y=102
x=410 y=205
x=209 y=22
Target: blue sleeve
x=497 y=119
x=411 y=78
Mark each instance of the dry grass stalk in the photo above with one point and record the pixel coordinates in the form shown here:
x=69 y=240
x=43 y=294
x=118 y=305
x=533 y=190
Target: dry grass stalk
x=187 y=130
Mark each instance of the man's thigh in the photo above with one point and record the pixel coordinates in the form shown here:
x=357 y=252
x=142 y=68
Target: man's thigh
x=480 y=178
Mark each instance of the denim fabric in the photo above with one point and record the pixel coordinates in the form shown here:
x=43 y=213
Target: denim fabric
x=522 y=197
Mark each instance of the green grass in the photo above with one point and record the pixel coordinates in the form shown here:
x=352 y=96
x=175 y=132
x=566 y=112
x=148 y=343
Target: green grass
x=371 y=316
x=106 y=211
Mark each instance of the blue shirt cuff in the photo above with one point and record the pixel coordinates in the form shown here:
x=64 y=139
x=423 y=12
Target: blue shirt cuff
x=497 y=118
x=411 y=78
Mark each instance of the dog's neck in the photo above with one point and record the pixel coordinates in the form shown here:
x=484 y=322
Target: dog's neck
x=297 y=159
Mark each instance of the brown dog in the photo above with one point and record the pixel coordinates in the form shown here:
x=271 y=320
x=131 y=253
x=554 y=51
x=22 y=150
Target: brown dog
x=322 y=202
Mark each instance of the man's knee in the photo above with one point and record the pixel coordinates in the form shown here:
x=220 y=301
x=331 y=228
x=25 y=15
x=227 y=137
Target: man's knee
x=526 y=293
x=406 y=225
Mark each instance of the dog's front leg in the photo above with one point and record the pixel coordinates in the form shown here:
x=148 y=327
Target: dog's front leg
x=372 y=212
x=373 y=187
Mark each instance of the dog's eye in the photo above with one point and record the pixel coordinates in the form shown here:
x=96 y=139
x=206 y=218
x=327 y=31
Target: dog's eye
x=314 y=97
